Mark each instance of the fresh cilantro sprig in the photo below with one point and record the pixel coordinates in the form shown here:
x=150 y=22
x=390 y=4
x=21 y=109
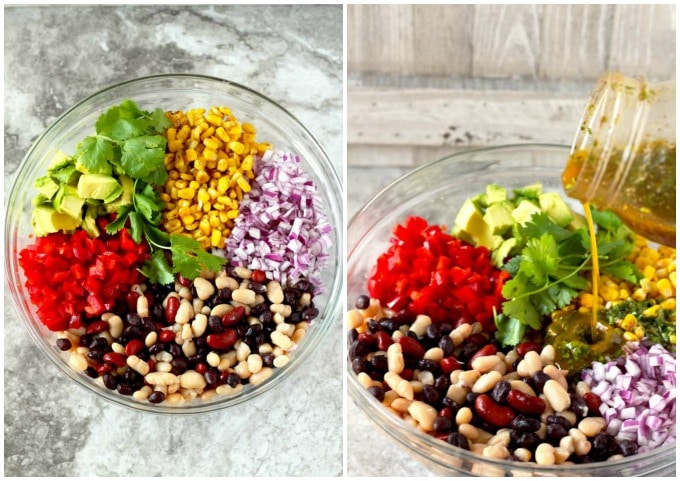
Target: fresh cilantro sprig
x=551 y=270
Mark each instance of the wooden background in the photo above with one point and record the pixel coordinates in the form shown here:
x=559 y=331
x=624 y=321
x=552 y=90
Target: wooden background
x=428 y=80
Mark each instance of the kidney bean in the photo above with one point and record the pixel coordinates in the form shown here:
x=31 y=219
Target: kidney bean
x=114 y=358
x=526 y=346
x=493 y=413
x=201 y=368
x=103 y=368
x=379 y=363
x=445 y=412
x=524 y=403
x=222 y=340
x=411 y=347
x=166 y=335
x=449 y=364
x=234 y=316
x=97 y=327
x=133 y=347
x=367 y=338
x=488 y=350
x=593 y=402
x=171 y=307
x=407 y=374
x=382 y=340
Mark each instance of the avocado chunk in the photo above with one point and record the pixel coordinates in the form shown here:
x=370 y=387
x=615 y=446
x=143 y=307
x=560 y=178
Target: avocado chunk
x=46 y=220
x=558 y=210
x=471 y=221
x=68 y=202
x=59 y=161
x=126 y=197
x=89 y=223
x=495 y=193
x=499 y=217
x=498 y=256
x=99 y=186
x=529 y=192
x=46 y=186
x=524 y=210
x=578 y=221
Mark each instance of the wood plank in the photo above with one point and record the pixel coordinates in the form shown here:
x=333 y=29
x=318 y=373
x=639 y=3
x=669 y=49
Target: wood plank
x=459 y=117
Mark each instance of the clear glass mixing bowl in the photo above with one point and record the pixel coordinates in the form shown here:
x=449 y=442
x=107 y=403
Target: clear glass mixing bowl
x=435 y=192
x=176 y=92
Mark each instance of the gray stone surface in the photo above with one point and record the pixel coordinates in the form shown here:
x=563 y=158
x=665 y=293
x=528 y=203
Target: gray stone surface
x=55 y=56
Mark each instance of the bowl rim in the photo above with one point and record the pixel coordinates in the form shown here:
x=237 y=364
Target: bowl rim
x=396 y=428
x=325 y=325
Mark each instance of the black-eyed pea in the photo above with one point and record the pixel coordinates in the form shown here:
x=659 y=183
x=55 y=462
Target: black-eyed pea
x=420 y=325
x=545 y=454
x=425 y=377
x=373 y=310
x=116 y=326
x=454 y=377
x=280 y=361
x=501 y=368
x=199 y=325
x=277 y=351
x=483 y=436
x=484 y=364
x=161 y=388
x=435 y=354
x=281 y=340
x=510 y=358
x=261 y=376
x=242 y=350
x=230 y=357
x=396 y=335
x=225 y=389
x=390 y=396
x=542 y=430
x=400 y=385
x=174 y=399
x=424 y=414
x=77 y=332
x=486 y=382
x=189 y=348
x=142 y=394
x=478 y=448
x=265 y=348
x=496 y=451
x=204 y=288
x=139 y=365
x=522 y=454
x=192 y=380
x=305 y=299
x=469 y=431
x=457 y=394
x=243 y=272
x=298 y=335
x=274 y=292
x=615 y=457
x=464 y=416
x=184 y=293
x=142 y=306
x=164 y=356
x=244 y=296
x=511 y=376
x=77 y=361
x=592 y=426
x=556 y=395
x=395 y=358
x=477 y=327
x=530 y=364
x=197 y=304
x=278 y=319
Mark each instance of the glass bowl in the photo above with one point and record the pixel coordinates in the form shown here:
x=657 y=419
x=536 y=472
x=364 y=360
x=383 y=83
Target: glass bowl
x=435 y=192
x=176 y=92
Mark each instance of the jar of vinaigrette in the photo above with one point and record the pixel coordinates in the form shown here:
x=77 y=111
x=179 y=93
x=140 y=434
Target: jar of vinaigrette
x=623 y=157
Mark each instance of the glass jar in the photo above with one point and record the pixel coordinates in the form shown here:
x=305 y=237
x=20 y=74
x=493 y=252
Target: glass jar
x=623 y=157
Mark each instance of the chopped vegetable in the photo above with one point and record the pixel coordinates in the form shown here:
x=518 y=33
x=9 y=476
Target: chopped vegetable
x=282 y=228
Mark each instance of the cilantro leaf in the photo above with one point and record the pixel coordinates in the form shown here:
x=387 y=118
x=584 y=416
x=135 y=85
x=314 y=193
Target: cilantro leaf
x=93 y=155
x=119 y=222
x=148 y=208
x=159 y=121
x=136 y=226
x=510 y=330
x=189 y=258
x=127 y=109
x=157 y=269
x=144 y=158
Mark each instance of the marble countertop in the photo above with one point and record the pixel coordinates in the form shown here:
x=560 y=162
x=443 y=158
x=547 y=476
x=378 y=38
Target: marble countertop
x=57 y=55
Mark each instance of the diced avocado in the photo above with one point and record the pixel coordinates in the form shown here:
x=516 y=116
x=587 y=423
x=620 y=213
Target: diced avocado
x=89 y=223
x=60 y=161
x=46 y=186
x=499 y=217
x=126 y=197
x=524 y=210
x=529 y=192
x=46 y=220
x=99 y=186
x=498 y=256
x=480 y=200
x=66 y=175
x=471 y=221
x=553 y=205
x=40 y=199
x=459 y=233
x=67 y=201
x=577 y=222
x=495 y=193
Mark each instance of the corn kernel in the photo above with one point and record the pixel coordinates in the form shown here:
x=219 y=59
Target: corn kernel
x=586 y=299
x=184 y=133
x=191 y=154
x=668 y=303
x=649 y=272
x=671 y=338
x=173 y=224
x=664 y=288
x=222 y=164
x=629 y=336
x=629 y=322
x=215 y=238
x=187 y=193
x=212 y=143
x=232 y=214
x=187 y=219
x=191 y=226
x=213 y=119
x=222 y=185
x=247 y=163
x=236 y=147
x=624 y=294
x=639 y=332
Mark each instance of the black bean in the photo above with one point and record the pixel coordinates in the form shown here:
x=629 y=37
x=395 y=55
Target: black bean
x=109 y=380
x=446 y=345
x=458 y=440
x=212 y=377
x=176 y=351
x=305 y=286
x=266 y=318
x=95 y=354
x=428 y=365
x=603 y=445
x=155 y=348
x=555 y=432
x=431 y=396
x=268 y=359
x=379 y=363
x=223 y=296
x=628 y=448
x=373 y=326
x=500 y=391
x=257 y=287
x=525 y=424
x=471 y=397
x=539 y=379
x=179 y=365
x=561 y=420
x=445 y=329
x=233 y=380
x=64 y=344
x=134 y=319
x=291 y=296
x=362 y=302
x=578 y=406
x=124 y=389
x=528 y=441
x=359 y=348
x=310 y=313
x=377 y=392
x=158 y=313
x=91 y=372
x=433 y=333
x=442 y=425
x=359 y=365
x=447 y=402
x=468 y=351
x=388 y=325
x=156 y=397
x=215 y=324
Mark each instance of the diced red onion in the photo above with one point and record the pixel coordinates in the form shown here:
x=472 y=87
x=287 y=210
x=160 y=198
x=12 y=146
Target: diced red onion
x=282 y=226
x=638 y=404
